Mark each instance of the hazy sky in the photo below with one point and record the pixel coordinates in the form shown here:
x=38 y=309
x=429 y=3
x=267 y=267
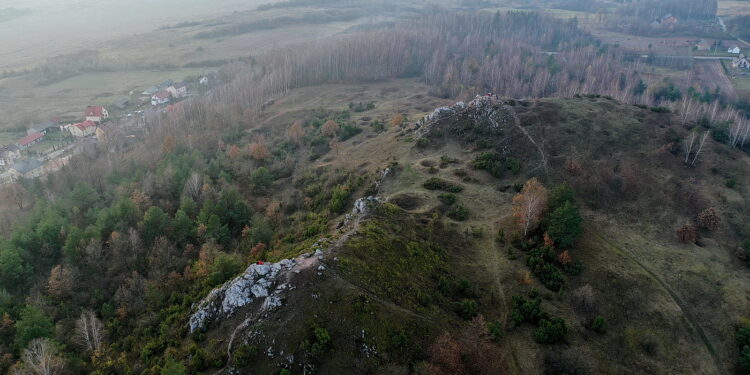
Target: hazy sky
x=59 y=26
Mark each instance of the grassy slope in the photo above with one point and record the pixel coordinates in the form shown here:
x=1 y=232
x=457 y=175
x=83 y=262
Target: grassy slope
x=670 y=307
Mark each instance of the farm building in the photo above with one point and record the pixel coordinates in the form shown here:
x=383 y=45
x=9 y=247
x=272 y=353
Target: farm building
x=178 y=90
x=96 y=114
x=83 y=129
x=29 y=140
x=43 y=128
x=28 y=168
x=161 y=97
x=741 y=63
x=121 y=103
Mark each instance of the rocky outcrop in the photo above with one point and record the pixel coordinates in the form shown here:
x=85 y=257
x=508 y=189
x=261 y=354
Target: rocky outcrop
x=265 y=284
x=262 y=283
x=484 y=110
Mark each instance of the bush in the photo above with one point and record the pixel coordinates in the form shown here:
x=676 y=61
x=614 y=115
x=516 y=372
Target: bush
x=320 y=342
x=224 y=267
x=339 y=198
x=732 y=182
x=347 y=131
x=261 y=179
x=423 y=142
x=559 y=195
x=687 y=234
x=495 y=330
x=660 y=109
x=527 y=311
x=436 y=183
x=361 y=107
x=720 y=133
x=551 y=331
x=172 y=367
x=599 y=325
x=708 y=219
x=458 y=213
x=447 y=198
x=541 y=262
x=244 y=355
x=467 y=308
x=489 y=161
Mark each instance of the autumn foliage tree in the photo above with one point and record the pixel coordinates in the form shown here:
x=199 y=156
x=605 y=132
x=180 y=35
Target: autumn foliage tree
x=330 y=129
x=296 y=133
x=234 y=152
x=60 y=282
x=259 y=151
x=529 y=205
x=168 y=145
x=708 y=219
x=469 y=352
x=397 y=120
x=687 y=233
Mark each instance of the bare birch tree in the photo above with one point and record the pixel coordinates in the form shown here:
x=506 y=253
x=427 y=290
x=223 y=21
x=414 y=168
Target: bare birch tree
x=89 y=332
x=529 y=205
x=41 y=358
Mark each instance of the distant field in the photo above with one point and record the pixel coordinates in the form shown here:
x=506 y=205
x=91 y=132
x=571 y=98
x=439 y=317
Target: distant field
x=733 y=8
x=742 y=83
x=56 y=27
x=9 y=137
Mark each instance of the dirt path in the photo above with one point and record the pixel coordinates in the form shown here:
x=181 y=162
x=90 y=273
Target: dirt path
x=517 y=123
x=495 y=248
x=690 y=320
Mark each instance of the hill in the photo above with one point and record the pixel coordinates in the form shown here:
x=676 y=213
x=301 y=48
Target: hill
x=345 y=213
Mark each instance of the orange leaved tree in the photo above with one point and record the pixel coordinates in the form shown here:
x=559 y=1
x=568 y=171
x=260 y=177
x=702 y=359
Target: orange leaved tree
x=259 y=151
x=296 y=132
x=529 y=205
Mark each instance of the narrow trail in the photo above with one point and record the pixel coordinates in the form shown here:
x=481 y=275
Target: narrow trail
x=495 y=249
x=517 y=123
x=688 y=317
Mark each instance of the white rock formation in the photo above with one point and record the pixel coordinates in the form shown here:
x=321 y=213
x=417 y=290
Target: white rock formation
x=259 y=282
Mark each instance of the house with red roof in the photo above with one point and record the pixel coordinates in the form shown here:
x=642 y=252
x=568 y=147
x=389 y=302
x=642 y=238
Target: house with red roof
x=29 y=140
x=161 y=97
x=83 y=129
x=96 y=114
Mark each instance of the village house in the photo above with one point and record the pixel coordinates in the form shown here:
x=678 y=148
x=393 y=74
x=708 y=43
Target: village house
x=96 y=114
x=29 y=140
x=734 y=49
x=178 y=90
x=29 y=168
x=121 y=103
x=83 y=129
x=9 y=154
x=741 y=63
x=156 y=88
x=161 y=97
x=43 y=128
